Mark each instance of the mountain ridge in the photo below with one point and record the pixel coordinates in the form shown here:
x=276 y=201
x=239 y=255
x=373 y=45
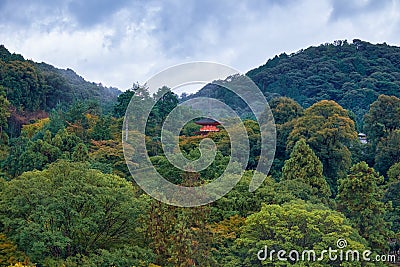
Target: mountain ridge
x=20 y=76
x=352 y=74
x=34 y=89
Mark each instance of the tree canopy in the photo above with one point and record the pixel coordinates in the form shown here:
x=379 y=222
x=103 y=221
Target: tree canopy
x=67 y=197
x=329 y=131
x=69 y=210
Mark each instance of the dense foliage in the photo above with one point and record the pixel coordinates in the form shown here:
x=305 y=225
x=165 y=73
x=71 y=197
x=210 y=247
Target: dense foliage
x=67 y=197
x=33 y=87
x=351 y=74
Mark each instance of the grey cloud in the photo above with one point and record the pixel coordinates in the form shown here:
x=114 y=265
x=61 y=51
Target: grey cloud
x=142 y=36
x=181 y=23
x=179 y=19
x=347 y=9
x=91 y=12
x=25 y=12
x=86 y=13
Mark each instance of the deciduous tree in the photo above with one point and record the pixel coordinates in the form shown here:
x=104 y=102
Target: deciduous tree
x=329 y=131
x=296 y=225
x=68 y=210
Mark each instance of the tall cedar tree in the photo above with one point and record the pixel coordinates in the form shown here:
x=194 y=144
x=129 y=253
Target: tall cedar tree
x=305 y=166
x=359 y=198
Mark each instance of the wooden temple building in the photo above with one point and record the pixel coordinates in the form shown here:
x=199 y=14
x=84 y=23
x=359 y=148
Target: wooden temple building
x=207 y=126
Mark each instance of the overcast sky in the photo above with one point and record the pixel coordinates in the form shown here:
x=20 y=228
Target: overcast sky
x=119 y=42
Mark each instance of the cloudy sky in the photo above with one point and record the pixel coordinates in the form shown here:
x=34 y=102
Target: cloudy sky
x=119 y=42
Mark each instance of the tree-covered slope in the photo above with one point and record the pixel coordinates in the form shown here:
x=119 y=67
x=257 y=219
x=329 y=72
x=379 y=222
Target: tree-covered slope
x=352 y=74
x=31 y=86
x=77 y=87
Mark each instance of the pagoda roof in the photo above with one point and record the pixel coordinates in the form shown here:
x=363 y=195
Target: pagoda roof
x=207 y=121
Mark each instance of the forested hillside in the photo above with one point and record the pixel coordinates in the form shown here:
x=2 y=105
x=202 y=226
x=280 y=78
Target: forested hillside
x=352 y=74
x=68 y=199
x=34 y=89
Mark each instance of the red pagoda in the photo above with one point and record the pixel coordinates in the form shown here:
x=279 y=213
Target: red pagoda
x=208 y=125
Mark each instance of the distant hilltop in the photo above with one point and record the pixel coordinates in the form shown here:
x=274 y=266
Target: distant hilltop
x=352 y=74
x=32 y=86
x=33 y=89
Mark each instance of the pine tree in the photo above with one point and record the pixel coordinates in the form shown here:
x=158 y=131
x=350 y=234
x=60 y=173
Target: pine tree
x=359 y=198
x=4 y=114
x=305 y=166
x=80 y=153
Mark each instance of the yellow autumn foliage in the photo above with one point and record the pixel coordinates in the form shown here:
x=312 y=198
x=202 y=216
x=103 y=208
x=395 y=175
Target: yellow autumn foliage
x=19 y=264
x=30 y=130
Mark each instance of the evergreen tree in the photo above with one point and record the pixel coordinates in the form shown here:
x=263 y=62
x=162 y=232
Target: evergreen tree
x=392 y=194
x=178 y=235
x=387 y=152
x=360 y=199
x=80 y=153
x=101 y=130
x=394 y=173
x=57 y=122
x=285 y=109
x=305 y=166
x=123 y=102
x=382 y=118
x=4 y=115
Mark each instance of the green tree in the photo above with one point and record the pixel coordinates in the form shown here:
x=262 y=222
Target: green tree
x=392 y=194
x=387 y=152
x=239 y=201
x=108 y=156
x=382 y=118
x=57 y=122
x=394 y=173
x=285 y=109
x=66 y=141
x=27 y=155
x=329 y=131
x=80 y=153
x=24 y=83
x=225 y=233
x=101 y=130
x=166 y=103
x=360 y=199
x=9 y=253
x=179 y=236
x=123 y=102
x=296 y=225
x=69 y=210
x=140 y=99
x=190 y=129
x=304 y=165
x=4 y=115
